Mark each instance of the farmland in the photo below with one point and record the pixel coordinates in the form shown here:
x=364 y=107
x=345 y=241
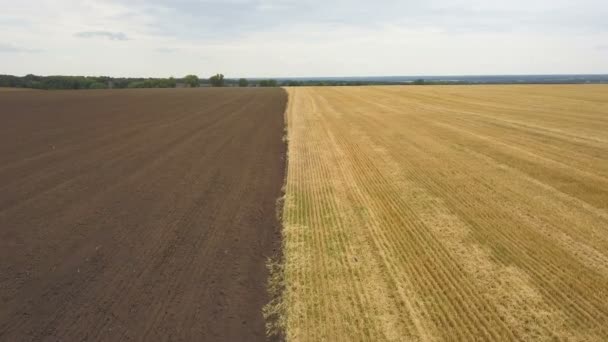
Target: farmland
x=446 y=213
x=410 y=213
x=6 y=89
x=139 y=214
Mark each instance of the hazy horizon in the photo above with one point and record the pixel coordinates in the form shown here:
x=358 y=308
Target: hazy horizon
x=303 y=39
x=355 y=77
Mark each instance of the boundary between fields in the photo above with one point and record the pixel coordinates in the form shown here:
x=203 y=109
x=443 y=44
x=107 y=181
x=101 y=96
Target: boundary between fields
x=275 y=310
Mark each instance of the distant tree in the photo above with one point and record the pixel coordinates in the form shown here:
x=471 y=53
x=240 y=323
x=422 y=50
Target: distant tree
x=192 y=81
x=97 y=85
x=243 y=82
x=11 y=81
x=217 y=80
x=136 y=84
x=292 y=83
x=169 y=83
x=268 y=83
x=419 y=82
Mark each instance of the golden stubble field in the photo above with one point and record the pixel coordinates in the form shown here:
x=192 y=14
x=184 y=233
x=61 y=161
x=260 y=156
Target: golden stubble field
x=447 y=213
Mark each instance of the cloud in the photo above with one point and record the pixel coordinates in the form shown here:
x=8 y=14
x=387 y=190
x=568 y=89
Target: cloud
x=304 y=37
x=220 y=20
x=102 y=34
x=7 y=48
x=166 y=50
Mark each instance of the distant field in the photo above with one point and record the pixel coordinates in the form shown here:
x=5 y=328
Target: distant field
x=3 y=89
x=454 y=213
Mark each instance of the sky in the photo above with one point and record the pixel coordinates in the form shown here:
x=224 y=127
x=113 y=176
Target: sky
x=288 y=38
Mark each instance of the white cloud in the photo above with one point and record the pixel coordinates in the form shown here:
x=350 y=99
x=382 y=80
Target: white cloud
x=303 y=38
x=102 y=34
x=7 y=48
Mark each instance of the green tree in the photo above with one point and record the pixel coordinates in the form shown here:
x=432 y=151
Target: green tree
x=97 y=85
x=192 y=81
x=268 y=83
x=136 y=84
x=243 y=82
x=217 y=80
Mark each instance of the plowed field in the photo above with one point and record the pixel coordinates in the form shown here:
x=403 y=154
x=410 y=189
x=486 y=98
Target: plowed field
x=447 y=213
x=138 y=215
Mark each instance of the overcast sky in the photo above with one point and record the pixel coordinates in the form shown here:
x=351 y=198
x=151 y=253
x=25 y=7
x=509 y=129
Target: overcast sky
x=273 y=38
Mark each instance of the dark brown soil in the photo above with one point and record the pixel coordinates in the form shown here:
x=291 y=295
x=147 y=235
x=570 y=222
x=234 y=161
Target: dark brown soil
x=143 y=215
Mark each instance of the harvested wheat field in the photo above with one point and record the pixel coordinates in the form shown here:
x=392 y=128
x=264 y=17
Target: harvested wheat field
x=138 y=215
x=447 y=213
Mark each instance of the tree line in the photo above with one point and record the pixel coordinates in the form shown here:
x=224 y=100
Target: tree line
x=105 y=82
x=84 y=82
x=218 y=80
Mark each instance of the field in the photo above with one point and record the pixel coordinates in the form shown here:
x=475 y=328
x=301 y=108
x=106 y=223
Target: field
x=446 y=213
x=139 y=214
x=4 y=89
x=410 y=213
